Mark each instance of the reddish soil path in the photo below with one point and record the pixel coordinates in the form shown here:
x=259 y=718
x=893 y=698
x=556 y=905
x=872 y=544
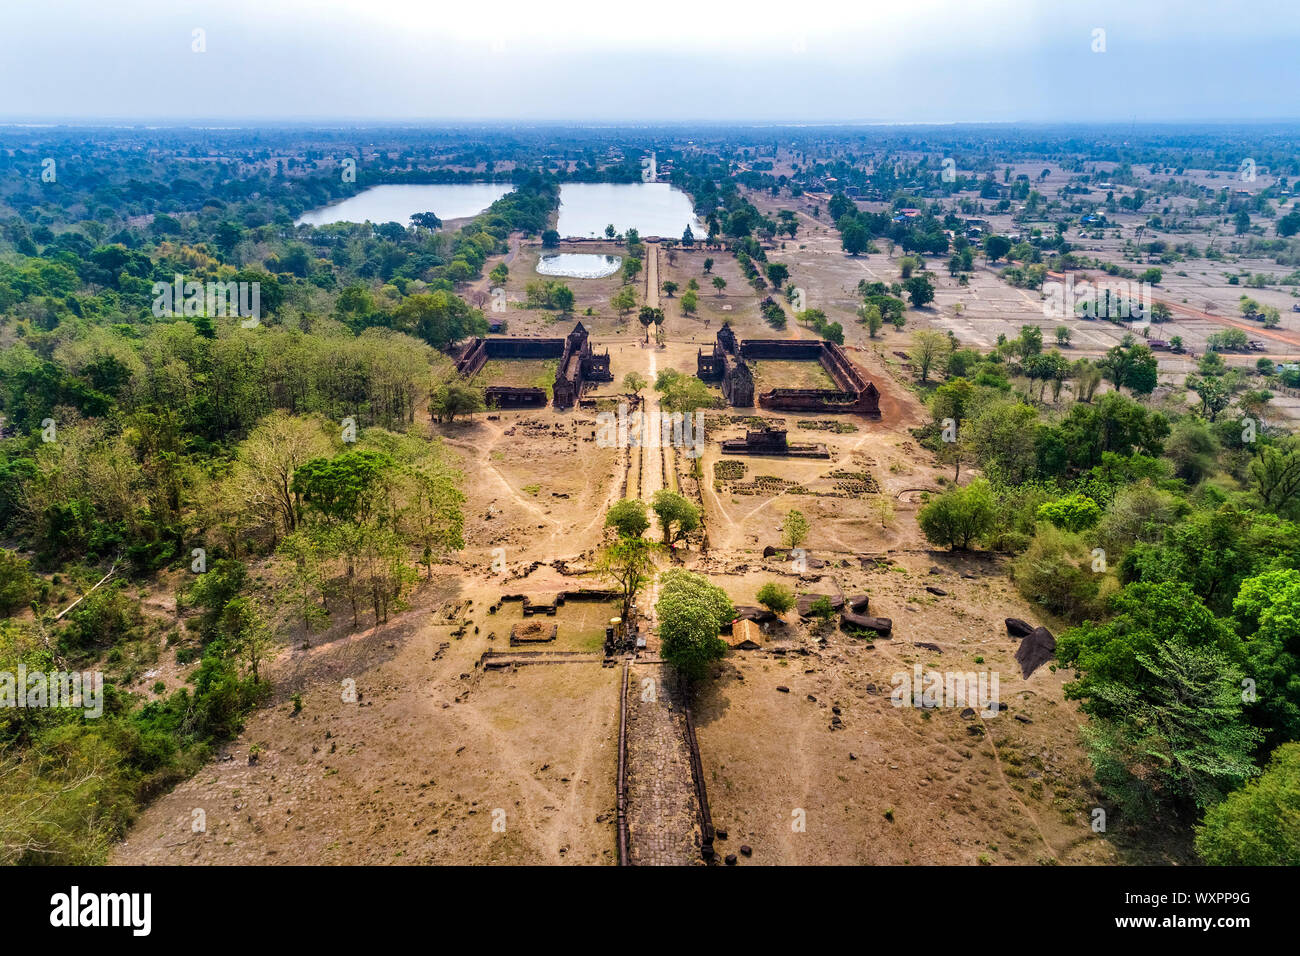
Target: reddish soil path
x=1290 y=338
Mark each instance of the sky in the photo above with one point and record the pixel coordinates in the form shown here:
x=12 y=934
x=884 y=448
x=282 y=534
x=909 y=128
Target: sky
x=656 y=61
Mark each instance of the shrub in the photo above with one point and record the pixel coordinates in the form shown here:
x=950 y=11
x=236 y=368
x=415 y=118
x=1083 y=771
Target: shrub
x=959 y=516
x=1055 y=572
x=1072 y=513
x=822 y=608
x=17 y=586
x=104 y=618
x=1137 y=513
x=777 y=598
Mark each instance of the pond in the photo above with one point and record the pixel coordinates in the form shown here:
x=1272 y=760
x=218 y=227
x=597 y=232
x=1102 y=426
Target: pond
x=653 y=209
x=398 y=202
x=579 y=265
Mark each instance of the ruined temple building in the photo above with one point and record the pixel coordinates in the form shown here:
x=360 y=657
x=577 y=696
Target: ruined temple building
x=773 y=442
x=729 y=361
x=577 y=366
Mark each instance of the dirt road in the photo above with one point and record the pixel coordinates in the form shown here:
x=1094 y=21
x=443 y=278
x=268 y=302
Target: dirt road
x=1290 y=338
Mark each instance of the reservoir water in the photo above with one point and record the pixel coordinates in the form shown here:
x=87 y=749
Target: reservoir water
x=398 y=202
x=653 y=209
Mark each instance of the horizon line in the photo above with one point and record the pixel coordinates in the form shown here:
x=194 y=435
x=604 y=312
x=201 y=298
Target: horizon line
x=236 y=123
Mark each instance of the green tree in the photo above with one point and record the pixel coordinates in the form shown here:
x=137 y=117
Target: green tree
x=349 y=487
x=624 y=300
x=1214 y=392
x=691 y=612
x=1176 y=737
x=630 y=563
x=440 y=318
x=678 y=517
x=959 y=516
x=954 y=399
x=682 y=393
x=1030 y=341
x=1049 y=368
x=1130 y=366
x=17 y=584
x=451 y=399
x=432 y=515
x=929 y=351
x=1266 y=612
x=628 y=517
x=1143 y=617
x=549 y=294
x=1275 y=473
x=246 y=633
x=854 y=238
x=1055 y=573
x=1258 y=825
x=1192 y=449
x=650 y=316
x=212 y=591
x=794 y=529
x=870 y=316
x=920 y=289
x=995 y=247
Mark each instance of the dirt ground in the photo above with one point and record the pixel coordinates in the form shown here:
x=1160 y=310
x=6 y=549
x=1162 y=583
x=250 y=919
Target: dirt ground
x=891 y=785
x=437 y=761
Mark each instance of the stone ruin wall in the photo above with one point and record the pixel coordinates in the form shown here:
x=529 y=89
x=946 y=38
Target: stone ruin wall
x=855 y=393
x=577 y=363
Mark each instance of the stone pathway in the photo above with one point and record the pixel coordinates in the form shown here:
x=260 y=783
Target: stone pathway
x=662 y=810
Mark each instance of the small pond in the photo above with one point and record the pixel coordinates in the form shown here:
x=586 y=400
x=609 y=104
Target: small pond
x=579 y=265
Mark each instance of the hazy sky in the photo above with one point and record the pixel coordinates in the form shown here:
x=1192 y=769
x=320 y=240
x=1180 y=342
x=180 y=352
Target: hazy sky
x=658 y=60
